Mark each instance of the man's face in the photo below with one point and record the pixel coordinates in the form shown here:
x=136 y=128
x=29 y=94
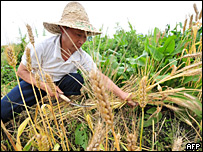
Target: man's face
x=75 y=38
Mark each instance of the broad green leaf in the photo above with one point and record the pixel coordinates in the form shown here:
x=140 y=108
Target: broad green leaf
x=120 y=70
x=155 y=53
x=180 y=46
x=169 y=45
x=28 y=145
x=156 y=31
x=81 y=136
x=149 y=122
x=173 y=63
x=151 y=110
x=190 y=78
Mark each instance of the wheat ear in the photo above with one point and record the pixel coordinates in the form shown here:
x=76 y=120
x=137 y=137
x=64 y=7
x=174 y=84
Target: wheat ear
x=142 y=92
x=97 y=138
x=184 y=27
x=131 y=139
x=200 y=15
x=190 y=23
x=102 y=97
x=196 y=11
x=31 y=36
x=103 y=102
x=42 y=142
x=177 y=144
x=11 y=58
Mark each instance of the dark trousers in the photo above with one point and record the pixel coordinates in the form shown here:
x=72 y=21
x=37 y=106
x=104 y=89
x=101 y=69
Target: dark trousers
x=13 y=103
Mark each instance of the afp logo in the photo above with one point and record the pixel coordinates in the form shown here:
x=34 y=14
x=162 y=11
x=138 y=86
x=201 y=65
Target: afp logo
x=192 y=146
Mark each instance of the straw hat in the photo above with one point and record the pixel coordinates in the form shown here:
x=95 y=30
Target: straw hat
x=74 y=16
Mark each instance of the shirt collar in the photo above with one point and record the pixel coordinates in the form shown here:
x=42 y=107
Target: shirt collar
x=57 y=52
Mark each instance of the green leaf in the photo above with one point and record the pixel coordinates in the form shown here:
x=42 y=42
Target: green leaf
x=169 y=45
x=190 y=78
x=27 y=146
x=173 y=63
x=156 y=54
x=81 y=136
x=149 y=122
x=180 y=46
x=156 y=31
x=151 y=110
x=56 y=147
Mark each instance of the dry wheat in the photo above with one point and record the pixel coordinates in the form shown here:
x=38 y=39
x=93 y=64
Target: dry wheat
x=102 y=97
x=10 y=54
x=177 y=145
x=50 y=83
x=131 y=140
x=42 y=142
x=142 y=92
x=97 y=138
x=31 y=36
x=185 y=23
x=200 y=15
x=190 y=23
x=28 y=59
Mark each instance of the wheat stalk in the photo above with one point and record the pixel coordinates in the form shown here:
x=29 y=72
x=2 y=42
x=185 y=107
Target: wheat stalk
x=31 y=37
x=37 y=78
x=12 y=61
x=29 y=68
x=53 y=88
x=199 y=54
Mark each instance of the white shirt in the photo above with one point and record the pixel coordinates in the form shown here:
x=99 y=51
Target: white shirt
x=51 y=61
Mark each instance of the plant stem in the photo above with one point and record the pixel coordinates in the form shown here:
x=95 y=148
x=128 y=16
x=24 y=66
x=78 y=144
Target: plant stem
x=116 y=140
x=141 y=128
x=24 y=102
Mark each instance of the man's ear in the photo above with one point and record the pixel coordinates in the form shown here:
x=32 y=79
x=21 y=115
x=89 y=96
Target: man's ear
x=62 y=28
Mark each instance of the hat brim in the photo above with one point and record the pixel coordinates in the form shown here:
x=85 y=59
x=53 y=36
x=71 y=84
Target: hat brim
x=54 y=27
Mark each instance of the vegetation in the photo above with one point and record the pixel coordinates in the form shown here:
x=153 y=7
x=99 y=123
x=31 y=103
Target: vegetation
x=161 y=70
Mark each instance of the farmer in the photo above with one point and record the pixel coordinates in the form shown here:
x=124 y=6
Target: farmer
x=60 y=56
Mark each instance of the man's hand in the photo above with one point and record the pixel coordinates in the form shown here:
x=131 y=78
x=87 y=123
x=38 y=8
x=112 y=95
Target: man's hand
x=52 y=94
x=128 y=97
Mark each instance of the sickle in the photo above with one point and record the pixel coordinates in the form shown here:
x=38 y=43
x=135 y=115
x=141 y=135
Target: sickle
x=69 y=101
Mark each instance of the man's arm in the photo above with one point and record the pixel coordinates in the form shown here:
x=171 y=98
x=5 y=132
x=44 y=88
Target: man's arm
x=116 y=90
x=24 y=74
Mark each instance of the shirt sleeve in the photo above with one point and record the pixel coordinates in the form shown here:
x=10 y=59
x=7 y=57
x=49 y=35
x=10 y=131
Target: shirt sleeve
x=34 y=59
x=87 y=62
